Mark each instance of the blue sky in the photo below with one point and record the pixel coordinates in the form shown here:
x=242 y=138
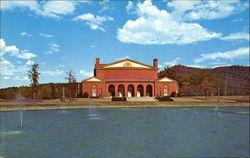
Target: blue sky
x=64 y=35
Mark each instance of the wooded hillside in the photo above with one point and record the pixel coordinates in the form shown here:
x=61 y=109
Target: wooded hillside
x=227 y=80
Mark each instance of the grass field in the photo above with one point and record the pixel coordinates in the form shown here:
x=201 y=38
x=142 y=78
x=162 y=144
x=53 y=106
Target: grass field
x=106 y=103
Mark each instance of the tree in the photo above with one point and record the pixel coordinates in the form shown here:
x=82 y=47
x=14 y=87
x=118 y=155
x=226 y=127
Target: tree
x=71 y=81
x=33 y=75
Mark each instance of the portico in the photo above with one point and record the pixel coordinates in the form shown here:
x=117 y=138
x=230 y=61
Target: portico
x=127 y=78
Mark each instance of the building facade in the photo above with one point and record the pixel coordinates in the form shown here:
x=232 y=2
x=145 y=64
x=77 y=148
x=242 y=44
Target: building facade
x=128 y=78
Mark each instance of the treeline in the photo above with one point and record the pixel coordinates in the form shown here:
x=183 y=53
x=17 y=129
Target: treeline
x=229 y=80
x=45 y=91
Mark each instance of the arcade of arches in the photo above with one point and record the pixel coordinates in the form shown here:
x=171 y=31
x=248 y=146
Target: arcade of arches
x=130 y=90
x=128 y=78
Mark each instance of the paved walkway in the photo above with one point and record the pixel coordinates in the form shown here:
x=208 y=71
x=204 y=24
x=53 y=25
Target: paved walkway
x=143 y=99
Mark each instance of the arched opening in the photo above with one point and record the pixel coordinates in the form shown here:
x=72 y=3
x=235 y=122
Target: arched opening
x=149 y=90
x=140 y=91
x=111 y=90
x=165 y=91
x=131 y=90
x=121 y=90
x=93 y=91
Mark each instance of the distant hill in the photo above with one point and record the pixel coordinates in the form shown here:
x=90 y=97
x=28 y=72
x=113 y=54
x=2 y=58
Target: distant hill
x=232 y=80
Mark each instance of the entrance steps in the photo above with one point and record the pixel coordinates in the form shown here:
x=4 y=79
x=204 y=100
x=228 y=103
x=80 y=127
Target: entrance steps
x=142 y=99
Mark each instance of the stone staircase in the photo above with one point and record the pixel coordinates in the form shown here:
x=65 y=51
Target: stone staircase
x=142 y=99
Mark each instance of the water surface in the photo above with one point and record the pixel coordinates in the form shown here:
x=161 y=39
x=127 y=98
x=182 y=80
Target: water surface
x=126 y=132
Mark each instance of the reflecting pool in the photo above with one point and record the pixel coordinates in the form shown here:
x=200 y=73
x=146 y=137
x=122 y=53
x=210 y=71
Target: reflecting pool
x=126 y=133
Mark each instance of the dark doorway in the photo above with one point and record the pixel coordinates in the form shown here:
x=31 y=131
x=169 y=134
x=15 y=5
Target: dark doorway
x=140 y=90
x=111 y=90
x=149 y=91
x=131 y=91
x=121 y=90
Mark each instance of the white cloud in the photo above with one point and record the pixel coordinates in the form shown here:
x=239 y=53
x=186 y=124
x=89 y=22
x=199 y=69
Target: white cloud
x=60 y=65
x=236 y=36
x=196 y=66
x=156 y=26
x=29 y=62
x=94 y=22
x=6 y=77
x=195 y=10
x=220 y=66
x=46 y=35
x=130 y=6
x=25 y=34
x=173 y=62
x=160 y=66
x=52 y=9
x=92 y=46
x=126 y=57
x=54 y=48
x=56 y=8
x=6 y=66
x=10 y=5
x=232 y=54
x=52 y=73
x=19 y=78
x=14 y=51
x=86 y=73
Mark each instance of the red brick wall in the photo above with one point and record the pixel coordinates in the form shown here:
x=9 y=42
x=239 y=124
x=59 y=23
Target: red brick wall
x=87 y=87
x=127 y=74
x=159 y=88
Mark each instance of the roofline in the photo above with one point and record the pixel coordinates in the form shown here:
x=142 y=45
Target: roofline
x=167 y=78
x=127 y=59
x=92 y=81
x=126 y=68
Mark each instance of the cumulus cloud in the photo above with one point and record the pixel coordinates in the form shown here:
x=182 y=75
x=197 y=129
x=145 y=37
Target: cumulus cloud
x=195 y=10
x=52 y=9
x=155 y=26
x=6 y=66
x=237 y=36
x=54 y=48
x=10 y=5
x=25 y=34
x=94 y=22
x=173 y=62
x=232 y=54
x=14 y=51
x=86 y=73
x=46 y=35
x=56 y=8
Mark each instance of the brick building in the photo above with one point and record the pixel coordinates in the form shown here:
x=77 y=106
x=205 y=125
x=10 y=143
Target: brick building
x=127 y=78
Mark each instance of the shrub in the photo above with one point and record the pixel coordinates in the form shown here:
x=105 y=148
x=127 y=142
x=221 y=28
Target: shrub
x=118 y=99
x=94 y=97
x=85 y=95
x=165 y=98
x=173 y=94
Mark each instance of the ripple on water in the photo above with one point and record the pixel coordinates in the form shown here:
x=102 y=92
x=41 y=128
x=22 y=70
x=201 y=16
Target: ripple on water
x=11 y=132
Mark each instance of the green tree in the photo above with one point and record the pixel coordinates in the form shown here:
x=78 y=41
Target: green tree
x=70 y=77
x=33 y=75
